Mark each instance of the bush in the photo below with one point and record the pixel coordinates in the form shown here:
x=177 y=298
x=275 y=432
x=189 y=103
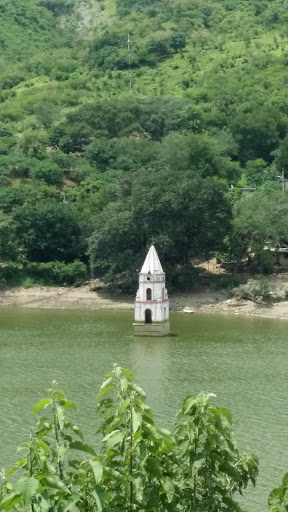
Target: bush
x=229 y=282
x=47 y=171
x=51 y=273
x=10 y=274
x=56 y=272
x=254 y=290
x=139 y=463
x=182 y=277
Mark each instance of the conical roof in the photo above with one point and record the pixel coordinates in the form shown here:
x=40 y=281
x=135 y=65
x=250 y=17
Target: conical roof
x=152 y=263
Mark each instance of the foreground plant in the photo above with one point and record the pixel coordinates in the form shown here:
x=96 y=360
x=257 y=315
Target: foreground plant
x=139 y=467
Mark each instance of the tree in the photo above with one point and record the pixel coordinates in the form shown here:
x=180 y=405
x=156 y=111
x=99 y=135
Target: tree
x=259 y=221
x=258 y=133
x=198 y=152
x=183 y=214
x=256 y=172
x=47 y=113
x=48 y=231
x=9 y=244
x=195 y=468
x=101 y=153
x=47 y=171
x=159 y=47
x=177 y=41
x=281 y=160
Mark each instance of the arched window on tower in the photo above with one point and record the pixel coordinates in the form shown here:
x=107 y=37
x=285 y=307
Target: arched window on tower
x=148 y=294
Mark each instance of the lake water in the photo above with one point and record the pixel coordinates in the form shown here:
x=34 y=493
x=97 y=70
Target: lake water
x=244 y=361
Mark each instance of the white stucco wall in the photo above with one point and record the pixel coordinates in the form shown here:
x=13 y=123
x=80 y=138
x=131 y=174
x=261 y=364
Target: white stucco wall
x=159 y=303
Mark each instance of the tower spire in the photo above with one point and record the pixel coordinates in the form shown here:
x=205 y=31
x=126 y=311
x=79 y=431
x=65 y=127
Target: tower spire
x=152 y=263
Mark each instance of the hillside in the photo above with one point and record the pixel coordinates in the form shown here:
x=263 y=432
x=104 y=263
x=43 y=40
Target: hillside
x=91 y=130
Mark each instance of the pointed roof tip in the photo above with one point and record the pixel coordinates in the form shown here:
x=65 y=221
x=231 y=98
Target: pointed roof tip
x=152 y=263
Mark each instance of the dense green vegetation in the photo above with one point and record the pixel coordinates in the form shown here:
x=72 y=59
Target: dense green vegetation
x=140 y=466
x=105 y=150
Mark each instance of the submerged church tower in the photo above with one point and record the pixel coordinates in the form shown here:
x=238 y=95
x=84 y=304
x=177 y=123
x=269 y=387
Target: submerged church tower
x=152 y=303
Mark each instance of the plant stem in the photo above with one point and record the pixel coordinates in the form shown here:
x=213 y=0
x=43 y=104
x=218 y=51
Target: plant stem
x=195 y=477
x=57 y=439
x=131 y=459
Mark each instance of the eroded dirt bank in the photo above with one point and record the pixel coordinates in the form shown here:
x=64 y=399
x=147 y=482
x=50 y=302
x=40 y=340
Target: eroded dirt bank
x=205 y=301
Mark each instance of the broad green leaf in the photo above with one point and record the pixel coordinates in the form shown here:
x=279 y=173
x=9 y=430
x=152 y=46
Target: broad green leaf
x=275 y=497
x=24 y=446
x=103 y=391
x=70 y=405
x=44 y=505
x=77 y=431
x=113 y=438
x=48 y=468
x=128 y=372
x=71 y=506
x=147 y=418
x=231 y=504
x=153 y=467
x=12 y=470
x=61 y=417
x=169 y=488
x=139 y=489
x=106 y=383
x=139 y=390
x=99 y=496
x=187 y=404
x=55 y=482
x=61 y=451
x=97 y=469
x=10 y=501
x=285 y=480
x=136 y=421
x=230 y=471
x=151 y=432
x=43 y=445
x=74 y=428
x=41 y=404
x=124 y=384
x=82 y=447
x=27 y=487
x=60 y=395
x=164 y=432
x=114 y=474
x=225 y=412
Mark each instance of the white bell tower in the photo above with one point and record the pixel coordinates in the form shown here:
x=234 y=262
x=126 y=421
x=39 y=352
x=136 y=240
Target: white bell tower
x=152 y=303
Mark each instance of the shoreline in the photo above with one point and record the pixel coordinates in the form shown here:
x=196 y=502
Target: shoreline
x=84 y=298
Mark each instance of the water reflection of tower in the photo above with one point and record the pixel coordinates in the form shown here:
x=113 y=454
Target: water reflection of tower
x=149 y=358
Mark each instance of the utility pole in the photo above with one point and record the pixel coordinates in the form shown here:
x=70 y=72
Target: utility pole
x=129 y=61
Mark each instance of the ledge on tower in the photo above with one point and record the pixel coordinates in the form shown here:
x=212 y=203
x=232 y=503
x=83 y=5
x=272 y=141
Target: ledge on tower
x=155 y=329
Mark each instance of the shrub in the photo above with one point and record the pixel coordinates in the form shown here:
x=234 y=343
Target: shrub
x=229 y=282
x=47 y=171
x=10 y=274
x=56 y=272
x=139 y=463
x=254 y=290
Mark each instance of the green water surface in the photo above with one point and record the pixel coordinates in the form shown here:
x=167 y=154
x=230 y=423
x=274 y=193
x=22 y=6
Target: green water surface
x=244 y=361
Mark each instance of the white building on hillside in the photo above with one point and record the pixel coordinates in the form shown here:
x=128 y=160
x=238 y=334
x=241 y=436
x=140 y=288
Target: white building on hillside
x=152 y=303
